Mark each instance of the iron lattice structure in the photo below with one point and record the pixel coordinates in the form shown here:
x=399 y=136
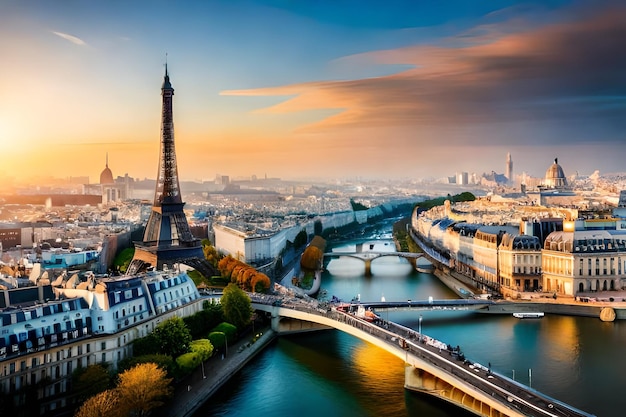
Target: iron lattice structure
x=167 y=238
x=167 y=186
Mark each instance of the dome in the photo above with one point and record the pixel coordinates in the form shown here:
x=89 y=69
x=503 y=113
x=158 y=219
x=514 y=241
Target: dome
x=555 y=177
x=106 y=176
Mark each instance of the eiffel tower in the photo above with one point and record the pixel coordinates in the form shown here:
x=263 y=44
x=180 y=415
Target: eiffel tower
x=167 y=238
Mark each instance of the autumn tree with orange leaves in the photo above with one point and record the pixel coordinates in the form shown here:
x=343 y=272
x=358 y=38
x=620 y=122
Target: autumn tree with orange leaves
x=244 y=275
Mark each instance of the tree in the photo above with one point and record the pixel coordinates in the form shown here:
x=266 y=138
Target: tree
x=162 y=361
x=237 y=306
x=311 y=258
x=301 y=239
x=227 y=329
x=147 y=345
x=204 y=320
x=260 y=282
x=104 y=404
x=318 y=228
x=210 y=253
x=142 y=388
x=187 y=362
x=202 y=347
x=172 y=337
x=89 y=381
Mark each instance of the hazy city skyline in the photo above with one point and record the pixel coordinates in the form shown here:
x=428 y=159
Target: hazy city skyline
x=313 y=89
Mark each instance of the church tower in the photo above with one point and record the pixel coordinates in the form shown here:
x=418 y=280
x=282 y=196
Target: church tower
x=167 y=238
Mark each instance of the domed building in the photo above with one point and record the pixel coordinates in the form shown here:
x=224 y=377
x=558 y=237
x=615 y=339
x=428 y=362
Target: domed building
x=555 y=177
x=110 y=190
x=106 y=176
x=554 y=189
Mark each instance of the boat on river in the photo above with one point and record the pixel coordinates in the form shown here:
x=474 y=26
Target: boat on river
x=528 y=315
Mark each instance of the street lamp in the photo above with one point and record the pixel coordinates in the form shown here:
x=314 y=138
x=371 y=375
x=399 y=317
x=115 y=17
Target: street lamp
x=420 y=327
x=203 y=375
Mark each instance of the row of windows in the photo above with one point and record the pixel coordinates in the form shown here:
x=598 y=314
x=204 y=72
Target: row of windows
x=60 y=362
x=586 y=267
x=174 y=296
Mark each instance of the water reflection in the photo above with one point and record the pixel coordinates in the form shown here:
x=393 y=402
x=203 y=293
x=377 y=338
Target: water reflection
x=329 y=373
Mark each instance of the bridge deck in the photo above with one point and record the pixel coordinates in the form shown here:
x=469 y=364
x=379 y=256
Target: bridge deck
x=374 y=254
x=518 y=398
x=426 y=304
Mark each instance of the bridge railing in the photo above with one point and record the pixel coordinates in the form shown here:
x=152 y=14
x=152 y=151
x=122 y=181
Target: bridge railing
x=501 y=388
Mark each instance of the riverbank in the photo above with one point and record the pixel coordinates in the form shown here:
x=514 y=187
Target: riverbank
x=599 y=307
x=194 y=390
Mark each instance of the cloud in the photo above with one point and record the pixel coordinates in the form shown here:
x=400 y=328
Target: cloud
x=75 y=40
x=556 y=75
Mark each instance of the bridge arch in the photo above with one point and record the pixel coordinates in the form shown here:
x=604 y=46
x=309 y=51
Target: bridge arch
x=368 y=257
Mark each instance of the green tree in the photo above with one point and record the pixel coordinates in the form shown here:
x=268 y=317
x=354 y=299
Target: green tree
x=147 y=345
x=172 y=337
x=142 y=389
x=162 y=361
x=202 y=347
x=187 y=362
x=103 y=404
x=204 y=320
x=89 y=381
x=237 y=306
x=226 y=328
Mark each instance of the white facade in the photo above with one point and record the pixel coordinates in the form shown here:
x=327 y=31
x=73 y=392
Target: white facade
x=78 y=324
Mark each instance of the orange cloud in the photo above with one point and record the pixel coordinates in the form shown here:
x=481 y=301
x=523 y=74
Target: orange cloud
x=572 y=70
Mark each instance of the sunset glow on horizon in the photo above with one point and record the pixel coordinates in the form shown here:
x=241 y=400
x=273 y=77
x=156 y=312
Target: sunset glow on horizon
x=395 y=89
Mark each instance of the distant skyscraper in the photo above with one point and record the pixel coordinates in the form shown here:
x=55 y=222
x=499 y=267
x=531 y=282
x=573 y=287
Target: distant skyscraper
x=509 y=168
x=167 y=238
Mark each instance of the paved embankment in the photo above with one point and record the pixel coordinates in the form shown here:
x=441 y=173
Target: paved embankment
x=566 y=306
x=195 y=389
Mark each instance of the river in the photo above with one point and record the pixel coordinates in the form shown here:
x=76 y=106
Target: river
x=576 y=360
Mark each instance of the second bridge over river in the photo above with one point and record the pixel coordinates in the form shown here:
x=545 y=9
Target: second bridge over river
x=369 y=252
x=432 y=367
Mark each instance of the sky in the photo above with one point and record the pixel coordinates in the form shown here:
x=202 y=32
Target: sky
x=313 y=89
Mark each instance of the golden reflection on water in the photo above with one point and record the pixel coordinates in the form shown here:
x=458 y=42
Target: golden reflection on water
x=562 y=340
x=375 y=364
